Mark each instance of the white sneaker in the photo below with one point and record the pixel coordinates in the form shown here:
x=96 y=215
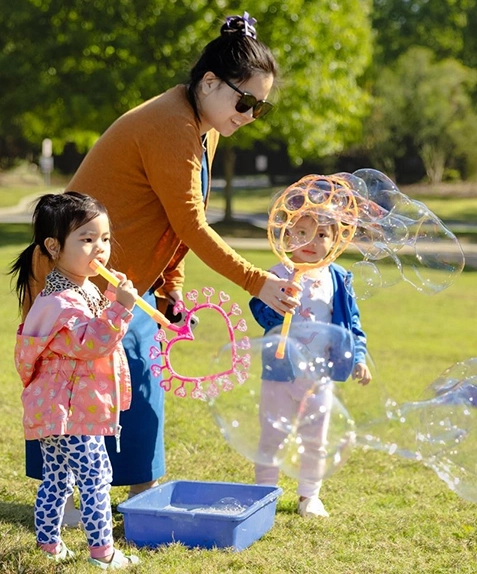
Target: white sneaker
x=313 y=506
x=64 y=554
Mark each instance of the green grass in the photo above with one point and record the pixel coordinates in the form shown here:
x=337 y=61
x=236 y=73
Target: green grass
x=449 y=207
x=462 y=209
x=388 y=515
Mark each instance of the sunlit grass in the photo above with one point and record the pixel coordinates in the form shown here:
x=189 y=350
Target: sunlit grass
x=388 y=515
x=450 y=208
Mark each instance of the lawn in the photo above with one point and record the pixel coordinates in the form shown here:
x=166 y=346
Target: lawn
x=449 y=207
x=387 y=515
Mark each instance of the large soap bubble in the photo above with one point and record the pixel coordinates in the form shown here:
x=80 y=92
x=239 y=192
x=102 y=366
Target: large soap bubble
x=286 y=413
x=399 y=238
x=322 y=437
x=439 y=431
x=458 y=381
x=455 y=391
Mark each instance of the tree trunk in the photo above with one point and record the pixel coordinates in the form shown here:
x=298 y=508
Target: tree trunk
x=229 y=170
x=434 y=159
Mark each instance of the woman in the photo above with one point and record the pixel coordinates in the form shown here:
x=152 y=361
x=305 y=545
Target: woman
x=151 y=169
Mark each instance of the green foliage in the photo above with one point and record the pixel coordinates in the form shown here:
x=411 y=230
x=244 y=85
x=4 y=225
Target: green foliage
x=446 y=27
x=425 y=102
x=323 y=48
x=86 y=62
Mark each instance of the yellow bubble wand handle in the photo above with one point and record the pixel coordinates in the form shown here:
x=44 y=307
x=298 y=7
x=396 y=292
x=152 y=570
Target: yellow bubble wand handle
x=140 y=302
x=280 y=352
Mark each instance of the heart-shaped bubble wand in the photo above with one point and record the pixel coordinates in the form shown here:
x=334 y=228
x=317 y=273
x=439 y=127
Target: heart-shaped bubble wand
x=211 y=383
x=326 y=200
x=224 y=376
x=140 y=302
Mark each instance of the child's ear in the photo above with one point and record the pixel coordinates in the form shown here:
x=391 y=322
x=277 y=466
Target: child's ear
x=53 y=247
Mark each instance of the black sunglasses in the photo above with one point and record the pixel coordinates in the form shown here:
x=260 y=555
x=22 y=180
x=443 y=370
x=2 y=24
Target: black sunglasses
x=246 y=101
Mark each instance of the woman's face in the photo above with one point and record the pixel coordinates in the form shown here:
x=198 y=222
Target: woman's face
x=217 y=102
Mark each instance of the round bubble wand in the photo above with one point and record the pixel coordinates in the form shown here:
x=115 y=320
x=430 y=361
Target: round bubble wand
x=328 y=200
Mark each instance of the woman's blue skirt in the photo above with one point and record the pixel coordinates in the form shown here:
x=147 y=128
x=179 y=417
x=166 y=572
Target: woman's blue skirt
x=142 y=437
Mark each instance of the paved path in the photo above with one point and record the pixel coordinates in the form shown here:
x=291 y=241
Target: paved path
x=260 y=220
x=22 y=213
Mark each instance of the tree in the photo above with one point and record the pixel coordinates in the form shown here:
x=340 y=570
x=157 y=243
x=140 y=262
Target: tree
x=428 y=102
x=68 y=69
x=447 y=27
x=323 y=49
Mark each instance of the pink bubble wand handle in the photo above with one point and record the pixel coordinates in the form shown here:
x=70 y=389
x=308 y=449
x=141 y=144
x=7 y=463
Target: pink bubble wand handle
x=140 y=302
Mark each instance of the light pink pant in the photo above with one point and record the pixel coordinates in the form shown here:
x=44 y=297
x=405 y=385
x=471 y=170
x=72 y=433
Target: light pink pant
x=280 y=405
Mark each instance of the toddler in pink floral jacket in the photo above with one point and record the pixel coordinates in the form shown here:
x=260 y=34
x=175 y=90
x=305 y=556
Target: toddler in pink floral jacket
x=63 y=352
x=74 y=371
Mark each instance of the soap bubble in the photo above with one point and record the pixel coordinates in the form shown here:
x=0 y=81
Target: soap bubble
x=286 y=413
x=238 y=412
x=322 y=437
x=369 y=276
x=399 y=239
x=455 y=391
x=420 y=430
x=439 y=431
x=458 y=382
x=395 y=230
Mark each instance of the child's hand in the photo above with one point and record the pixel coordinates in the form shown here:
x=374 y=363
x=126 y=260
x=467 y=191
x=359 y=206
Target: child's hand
x=362 y=373
x=126 y=293
x=120 y=276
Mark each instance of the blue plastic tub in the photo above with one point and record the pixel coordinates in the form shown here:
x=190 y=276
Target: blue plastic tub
x=200 y=514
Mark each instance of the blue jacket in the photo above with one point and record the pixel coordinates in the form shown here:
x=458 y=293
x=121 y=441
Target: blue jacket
x=345 y=314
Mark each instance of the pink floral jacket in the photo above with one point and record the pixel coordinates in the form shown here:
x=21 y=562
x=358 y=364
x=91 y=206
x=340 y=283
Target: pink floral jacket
x=73 y=367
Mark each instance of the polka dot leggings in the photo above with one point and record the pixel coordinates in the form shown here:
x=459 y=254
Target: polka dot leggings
x=70 y=459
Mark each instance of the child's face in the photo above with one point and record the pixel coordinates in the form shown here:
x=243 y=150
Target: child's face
x=88 y=242
x=318 y=247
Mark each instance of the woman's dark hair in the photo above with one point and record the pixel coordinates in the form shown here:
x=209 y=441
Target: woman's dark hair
x=55 y=215
x=235 y=55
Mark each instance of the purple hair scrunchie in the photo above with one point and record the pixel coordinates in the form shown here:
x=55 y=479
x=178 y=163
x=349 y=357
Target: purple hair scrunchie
x=249 y=24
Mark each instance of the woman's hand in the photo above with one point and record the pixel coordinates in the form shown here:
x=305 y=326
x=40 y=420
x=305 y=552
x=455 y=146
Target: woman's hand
x=280 y=294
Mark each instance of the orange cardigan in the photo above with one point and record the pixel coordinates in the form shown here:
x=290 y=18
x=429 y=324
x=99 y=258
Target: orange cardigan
x=146 y=170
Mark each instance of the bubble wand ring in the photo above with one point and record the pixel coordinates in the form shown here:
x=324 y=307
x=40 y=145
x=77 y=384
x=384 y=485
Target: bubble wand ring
x=329 y=200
